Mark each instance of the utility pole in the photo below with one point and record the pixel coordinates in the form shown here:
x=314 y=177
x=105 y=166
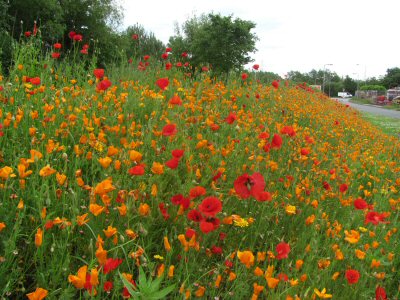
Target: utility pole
x=323 y=81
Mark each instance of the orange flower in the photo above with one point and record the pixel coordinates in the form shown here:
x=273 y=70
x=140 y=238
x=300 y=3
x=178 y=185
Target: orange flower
x=246 y=258
x=144 y=209
x=46 y=171
x=258 y=271
x=352 y=237
x=96 y=209
x=38 y=294
x=22 y=171
x=110 y=231
x=272 y=282
x=171 y=271
x=78 y=280
x=130 y=233
x=81 y=220
x=135 y=156
x=122 y=209
x=104 y=187
x=157 y=168
x=6 y=172
x=39 y=237
x=105 y=161
x=94 y=277
x=61 y=178
x=200 y=292
x=167 y=246
x=360 y=254
x=2 y=226
x=101 y=255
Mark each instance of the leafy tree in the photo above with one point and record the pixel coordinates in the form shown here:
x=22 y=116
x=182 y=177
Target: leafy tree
x=392 y=78
x=137 y=42
x=222 y=42
x=349 y=85
x=47 y=13
x=373 y=87
x=267 y=77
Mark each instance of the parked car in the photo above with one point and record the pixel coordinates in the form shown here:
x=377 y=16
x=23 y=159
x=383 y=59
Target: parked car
x=344 y=95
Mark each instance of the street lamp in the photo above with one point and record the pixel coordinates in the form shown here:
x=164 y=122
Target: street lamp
x=323 y=82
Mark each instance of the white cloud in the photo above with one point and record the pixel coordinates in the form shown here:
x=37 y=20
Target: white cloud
x=358 y=37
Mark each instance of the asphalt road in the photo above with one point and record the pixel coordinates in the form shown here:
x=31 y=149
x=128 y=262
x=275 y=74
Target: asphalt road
x=376 y=110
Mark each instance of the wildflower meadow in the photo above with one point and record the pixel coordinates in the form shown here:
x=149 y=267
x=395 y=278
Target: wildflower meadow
x=151 y=180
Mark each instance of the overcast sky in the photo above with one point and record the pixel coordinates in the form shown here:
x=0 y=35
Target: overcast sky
x=359 y=38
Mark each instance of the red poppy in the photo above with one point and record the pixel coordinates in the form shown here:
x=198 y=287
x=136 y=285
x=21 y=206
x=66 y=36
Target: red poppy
x=217 y=176
x=289 y=130
x=168 y=66
x=375 y=218
x=283 y=277
x=326 y=186
x=263 y=196
x=55 y=55
x=256 y=67
x=99 y=73
x=136 y=170
x=210 y=206
x=178 y=153
x=35 y=80
x=77 y=38
x=282 y=250
x=380 y=293
x=206 y=226
x=57 y=46
x=177 y=199
x=352 y=276
x=178 y=64
x=190 y=233
x=111 y=264
x=146 y=57
x=230 y=118
x=246 y=186
x=172 y=163
x=162 y=83
x=108 y=285
x=305 y=151
x=71 y=34
x=135 y=37
x=164 y=55
x=168 y=49
x=28 y=33
x=276 y=141
x=163 y=210
x=360 y=204
x=184 y=54
x=169 y=130
x=214 y=127
x=204 y=69
x=343 y=188
x=263 y=135
x=216 y=250
x=244 y=76
x=104 y=84
x=175 y=100
x=197 y=191
x=275 y=84
x=194 y=215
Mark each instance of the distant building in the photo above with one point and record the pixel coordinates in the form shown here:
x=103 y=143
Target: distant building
x=392 y=93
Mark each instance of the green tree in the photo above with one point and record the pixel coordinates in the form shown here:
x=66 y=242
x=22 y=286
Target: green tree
x=350 y=85
x=220 y=41
x=392 y=78
x=146 y=43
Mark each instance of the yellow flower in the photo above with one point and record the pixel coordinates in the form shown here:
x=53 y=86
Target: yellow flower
x=291 y=209
x=159 y=257
x=38 y=294
x=322 y=294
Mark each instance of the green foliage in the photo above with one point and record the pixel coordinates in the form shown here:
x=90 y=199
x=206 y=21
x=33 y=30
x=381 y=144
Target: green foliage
x=222 y=42
x=146 y=287
x=349 y=85
x=267 y=77
x=373 y=87
x=145 y=44
x=392 y=78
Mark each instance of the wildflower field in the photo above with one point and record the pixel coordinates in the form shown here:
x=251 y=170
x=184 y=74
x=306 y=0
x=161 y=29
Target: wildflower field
x=148 y=181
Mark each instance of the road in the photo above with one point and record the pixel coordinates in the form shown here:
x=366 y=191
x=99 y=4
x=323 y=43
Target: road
x=376 y=110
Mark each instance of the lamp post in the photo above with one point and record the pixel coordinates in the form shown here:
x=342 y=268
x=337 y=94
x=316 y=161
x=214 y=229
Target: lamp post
x=323 y=81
